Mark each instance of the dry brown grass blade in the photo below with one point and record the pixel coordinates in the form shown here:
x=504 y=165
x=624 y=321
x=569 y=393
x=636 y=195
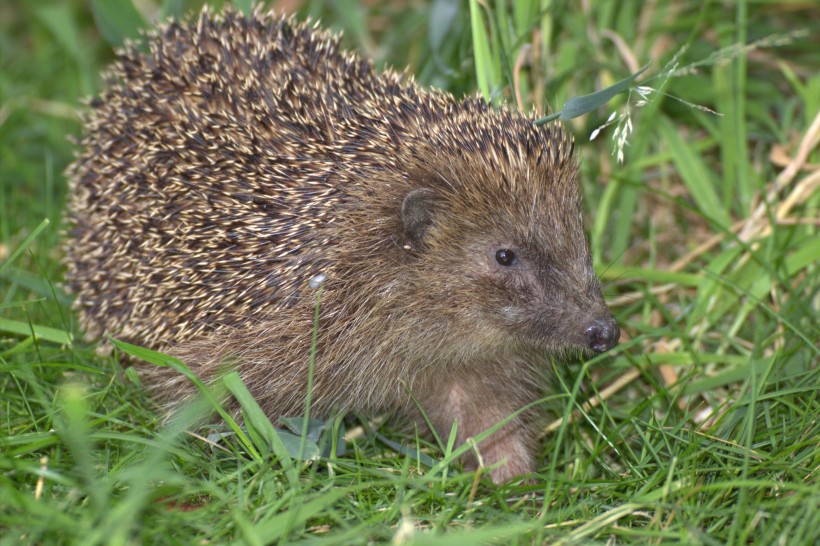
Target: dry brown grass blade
x=521 y=61
x=626 y=53
x=757 y=223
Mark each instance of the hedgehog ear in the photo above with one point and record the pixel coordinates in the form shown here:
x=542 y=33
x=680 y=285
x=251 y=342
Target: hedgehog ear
x=417 y=214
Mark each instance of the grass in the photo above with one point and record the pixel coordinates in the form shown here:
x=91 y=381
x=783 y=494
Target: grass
x=701 y=428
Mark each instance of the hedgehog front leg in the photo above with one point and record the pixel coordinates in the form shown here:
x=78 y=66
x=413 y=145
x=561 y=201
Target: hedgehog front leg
x=477 y=403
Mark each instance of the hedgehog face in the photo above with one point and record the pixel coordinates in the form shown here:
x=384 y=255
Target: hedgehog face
x=522 y=275
x=537 y=297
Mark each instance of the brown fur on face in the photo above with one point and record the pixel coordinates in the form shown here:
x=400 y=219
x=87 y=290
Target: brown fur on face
x=242 y=157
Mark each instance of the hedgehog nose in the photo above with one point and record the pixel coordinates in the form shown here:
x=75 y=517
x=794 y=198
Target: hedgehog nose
x=603 y=334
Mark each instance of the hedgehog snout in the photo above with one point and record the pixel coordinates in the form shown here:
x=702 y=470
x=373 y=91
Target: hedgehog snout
x=602 y=334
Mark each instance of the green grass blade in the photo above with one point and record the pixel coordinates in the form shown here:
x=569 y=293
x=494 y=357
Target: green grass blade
x=117 y=20
x=485 y=65
x=24 y=245
x=44 y=333
x=699 y=180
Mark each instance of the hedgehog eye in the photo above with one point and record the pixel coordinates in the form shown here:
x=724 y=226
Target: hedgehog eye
x=506 y=257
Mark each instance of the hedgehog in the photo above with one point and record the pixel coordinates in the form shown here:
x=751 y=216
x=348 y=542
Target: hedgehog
x=233 y=161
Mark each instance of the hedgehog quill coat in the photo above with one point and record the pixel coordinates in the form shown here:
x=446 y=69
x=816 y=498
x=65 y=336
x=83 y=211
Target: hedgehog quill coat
x=238 y=158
